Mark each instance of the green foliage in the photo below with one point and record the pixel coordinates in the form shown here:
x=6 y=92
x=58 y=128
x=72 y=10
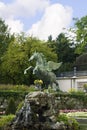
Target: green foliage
x=13 y=63
x=5 y=37
x=15 y=60
x=15 y=91
x=22 y=88
x=4 y=120
x=31 y=88
x=81 y=35
x=65 y=46
x=74 y=100
x=85 y=86
x=11 y=108
x=65 y=67
x=71 y=122
x=19 y=106
x=76 y=92
x=15 y=95
x=62 y=117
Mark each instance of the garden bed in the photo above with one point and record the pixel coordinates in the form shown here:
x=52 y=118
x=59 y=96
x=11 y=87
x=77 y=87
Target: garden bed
x=79 y=115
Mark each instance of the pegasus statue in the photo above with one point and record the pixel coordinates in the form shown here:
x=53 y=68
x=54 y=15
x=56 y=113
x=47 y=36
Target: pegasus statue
x=44 y=69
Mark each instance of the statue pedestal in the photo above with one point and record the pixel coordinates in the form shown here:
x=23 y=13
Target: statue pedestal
x=38 y=113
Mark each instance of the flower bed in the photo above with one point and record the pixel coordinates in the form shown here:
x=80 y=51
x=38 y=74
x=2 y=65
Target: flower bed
x=74 y=110
x=2 y=112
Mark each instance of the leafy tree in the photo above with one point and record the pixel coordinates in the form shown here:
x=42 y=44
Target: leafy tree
x=81 y=35
x=13 y=64
x=52 y=44
x=64 y=49
x=5 y=39
x=34 y=44
x=15 y=60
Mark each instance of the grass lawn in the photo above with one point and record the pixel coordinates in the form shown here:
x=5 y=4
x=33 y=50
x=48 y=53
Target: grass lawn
x=83 y=126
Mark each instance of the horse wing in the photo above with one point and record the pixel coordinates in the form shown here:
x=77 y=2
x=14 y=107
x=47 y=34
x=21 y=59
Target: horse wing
x=53 y=65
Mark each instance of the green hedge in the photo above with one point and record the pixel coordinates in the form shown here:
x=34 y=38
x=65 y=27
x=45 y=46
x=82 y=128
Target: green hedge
x=81 y=96
x=14 y=94
x=72 y=100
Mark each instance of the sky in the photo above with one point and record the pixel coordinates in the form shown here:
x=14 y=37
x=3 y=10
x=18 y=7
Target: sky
x=41 y=18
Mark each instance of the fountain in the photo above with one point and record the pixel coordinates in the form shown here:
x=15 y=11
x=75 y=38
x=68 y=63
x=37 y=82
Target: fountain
x=39 y=112
x=40 y=109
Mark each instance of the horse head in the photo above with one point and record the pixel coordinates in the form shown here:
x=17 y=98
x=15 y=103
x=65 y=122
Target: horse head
x=38 y=57
x=33 y=56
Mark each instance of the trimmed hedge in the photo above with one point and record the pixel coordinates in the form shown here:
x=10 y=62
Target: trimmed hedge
x=14 y=94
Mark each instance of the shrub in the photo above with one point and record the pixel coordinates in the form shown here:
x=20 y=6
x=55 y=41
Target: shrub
x=75 y=124
x=4 y=120
x=62 y=117
x=68 y=121
x=11 y=108
x=74 y=91
x=14 y=88
x=85 y=87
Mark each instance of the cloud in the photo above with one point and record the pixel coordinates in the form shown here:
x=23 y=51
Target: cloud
x=55 y=18
x=22 y=8
x=16 y=26
x=15 y=11
x=30 y=7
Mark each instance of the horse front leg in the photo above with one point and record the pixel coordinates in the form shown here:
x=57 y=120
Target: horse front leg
x=57 y=86
x=35 y=70
x=25 y=71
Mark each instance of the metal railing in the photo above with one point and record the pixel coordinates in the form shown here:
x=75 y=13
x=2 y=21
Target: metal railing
x=71 y=73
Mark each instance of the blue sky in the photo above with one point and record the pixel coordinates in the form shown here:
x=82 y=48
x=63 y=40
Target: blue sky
x=79 y=7
x=41 y=18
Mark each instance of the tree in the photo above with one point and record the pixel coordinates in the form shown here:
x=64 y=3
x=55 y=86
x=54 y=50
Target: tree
x=33 y=44
x=15 y=60
x=65 y=52
x=13 y=63
x=5 y=39
x=64 y=49
x=81 y=35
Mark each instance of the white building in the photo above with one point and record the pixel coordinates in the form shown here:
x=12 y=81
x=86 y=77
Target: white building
x=76 y=82
x=77 y=78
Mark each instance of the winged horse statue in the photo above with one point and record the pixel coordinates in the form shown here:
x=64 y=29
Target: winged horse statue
x=44 y=69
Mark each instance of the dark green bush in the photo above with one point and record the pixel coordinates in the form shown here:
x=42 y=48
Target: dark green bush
x=11 y=108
